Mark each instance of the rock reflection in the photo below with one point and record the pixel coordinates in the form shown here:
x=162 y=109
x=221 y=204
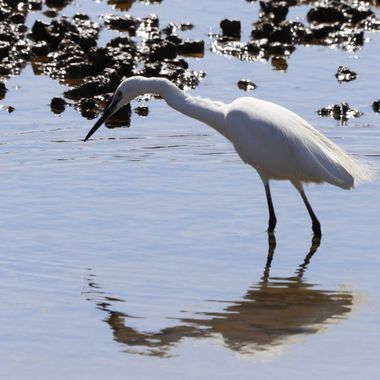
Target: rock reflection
x=274 y=312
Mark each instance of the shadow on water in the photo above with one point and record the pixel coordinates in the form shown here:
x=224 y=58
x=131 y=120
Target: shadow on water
x=274 y=312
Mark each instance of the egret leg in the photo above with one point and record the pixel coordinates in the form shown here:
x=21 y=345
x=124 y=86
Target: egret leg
x=272 y=216
x=316 y=225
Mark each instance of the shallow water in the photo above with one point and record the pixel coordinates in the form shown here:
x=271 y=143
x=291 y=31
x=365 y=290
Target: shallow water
x=143 y=253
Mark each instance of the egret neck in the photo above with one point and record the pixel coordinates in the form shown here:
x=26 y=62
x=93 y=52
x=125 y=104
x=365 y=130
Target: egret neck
x=205 y=110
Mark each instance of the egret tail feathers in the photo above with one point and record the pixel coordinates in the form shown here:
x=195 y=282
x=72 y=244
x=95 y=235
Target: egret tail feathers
x=362 y=171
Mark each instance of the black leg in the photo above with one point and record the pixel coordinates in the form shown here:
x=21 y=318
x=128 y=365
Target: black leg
x=272 y=216
x=316 y=225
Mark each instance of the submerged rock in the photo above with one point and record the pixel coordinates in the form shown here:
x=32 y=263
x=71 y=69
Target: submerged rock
x=9 y=109
x=274 y=11
x=376 y=106
x=142 y=111
x=344 y=74
x=3 y=90
x=341 y=112
x=191 y=48
x=231 y=28
x=57 y=105
x=325 y=15
x=122 y=23
x=279 y=63
x=121 y=118
x=339 y=24
x=246 y=85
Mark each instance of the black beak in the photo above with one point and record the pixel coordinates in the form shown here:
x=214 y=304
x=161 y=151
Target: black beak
x=107 y=113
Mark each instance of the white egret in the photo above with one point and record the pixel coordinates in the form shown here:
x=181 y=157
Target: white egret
x=279 y=144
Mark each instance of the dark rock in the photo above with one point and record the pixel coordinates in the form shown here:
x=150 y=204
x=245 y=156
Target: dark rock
x=172 y=69
x=40 y=32
x=17 y=18
x=283 y=34
x=20 y=29
x=7 y=36
x=253 y=48
x=376 y=106
x=180 y=63
x=163 y=50
x=9 y=109
x=66 y=50
x=86 y=90
x=142 y=111
x=189 y=79
x=278 y=49
x=81 y=16
x=35 y=5
x=151 y=21
x=126 y=68
x=99 y=57
x=122 y=42
x=5 y=12
x=344 y=74
x=191 y=48
x=152 y=69
x=5 y=48
x=174 y=39
x=246 y=85
x=88 y=104
x=112 y=79
x=356 y=15
x=3 y=90
x=120 y=23
x=51 y=13
x=341 y=112
x=5 y=70
x=121 y=118
x=57 y=105
x=57 y=4
x=320 y=32
x=186 y=26
x=273 y=10
x=40 y=49
x=328 y=15
x=78 y=70
x=85 y=41
x=171 y=28
x=88 y=108
x=262 y=30
x=279 y=63
x=231 y=28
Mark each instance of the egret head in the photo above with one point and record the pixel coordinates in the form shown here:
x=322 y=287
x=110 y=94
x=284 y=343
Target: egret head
x=125 y=92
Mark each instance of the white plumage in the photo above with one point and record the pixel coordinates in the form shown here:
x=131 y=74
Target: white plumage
x=278 y=143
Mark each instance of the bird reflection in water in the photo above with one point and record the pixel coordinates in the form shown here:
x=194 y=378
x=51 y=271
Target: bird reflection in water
x=274 y=312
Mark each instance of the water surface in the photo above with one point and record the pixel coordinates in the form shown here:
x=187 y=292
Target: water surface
x=143 y=253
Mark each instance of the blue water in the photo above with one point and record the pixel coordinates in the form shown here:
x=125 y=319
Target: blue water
x=141 y=254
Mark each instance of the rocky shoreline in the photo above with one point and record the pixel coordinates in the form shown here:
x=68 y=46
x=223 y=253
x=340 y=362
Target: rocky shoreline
x=67 y=50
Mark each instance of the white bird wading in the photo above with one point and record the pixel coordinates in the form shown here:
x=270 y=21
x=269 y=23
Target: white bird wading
x=278 y=143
